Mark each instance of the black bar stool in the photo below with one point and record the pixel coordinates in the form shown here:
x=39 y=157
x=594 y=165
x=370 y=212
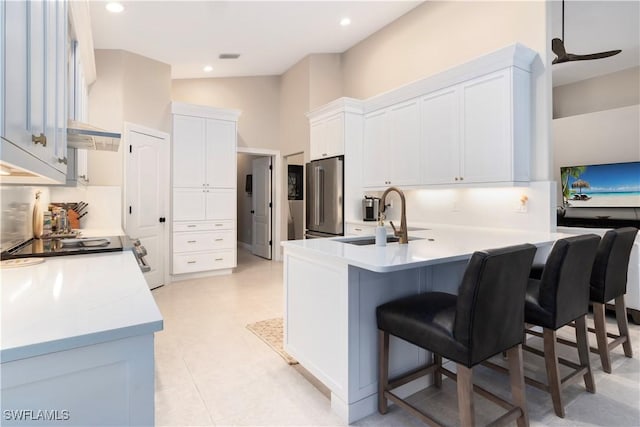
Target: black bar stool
x=484 y=319
x=609 y=282
x=555 y=297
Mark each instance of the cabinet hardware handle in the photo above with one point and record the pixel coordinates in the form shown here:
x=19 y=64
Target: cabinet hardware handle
x=191 y=241
x=41 y=139
x=358 y=229
x=461 y=178
x=456 y=178
x=191 y=262
x=219 y=225
x=62 y=160
x=191 y=226
x=219 y=259
x=218 y=240
x=324 y=154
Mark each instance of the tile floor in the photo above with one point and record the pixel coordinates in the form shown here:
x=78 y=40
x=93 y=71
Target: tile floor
x=211 y=371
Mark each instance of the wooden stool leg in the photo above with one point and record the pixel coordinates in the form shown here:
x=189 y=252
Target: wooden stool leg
x=516 y=377
x=623 y=324
x=583 y=352
x=553 y=372
x=383 y=370
x=601 y=336
x=437 y=375
x=465 y=395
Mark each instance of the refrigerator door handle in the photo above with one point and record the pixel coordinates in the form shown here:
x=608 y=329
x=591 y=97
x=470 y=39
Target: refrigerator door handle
x=321 y=195
x=316 y=201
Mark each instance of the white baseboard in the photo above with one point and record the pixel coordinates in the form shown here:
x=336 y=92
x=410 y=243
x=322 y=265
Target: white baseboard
x=244 y=245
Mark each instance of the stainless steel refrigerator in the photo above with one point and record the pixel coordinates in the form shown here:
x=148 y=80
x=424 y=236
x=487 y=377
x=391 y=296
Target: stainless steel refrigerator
x=325 y=204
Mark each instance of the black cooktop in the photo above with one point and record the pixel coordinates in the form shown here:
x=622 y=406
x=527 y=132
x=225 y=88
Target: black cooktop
x=59 y=247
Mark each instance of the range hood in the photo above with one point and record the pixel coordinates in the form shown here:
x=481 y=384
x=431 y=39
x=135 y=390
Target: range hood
x=82 y=135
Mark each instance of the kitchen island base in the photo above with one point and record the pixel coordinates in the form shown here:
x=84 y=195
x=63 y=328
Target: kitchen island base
x=110 y=383
x=330 y=325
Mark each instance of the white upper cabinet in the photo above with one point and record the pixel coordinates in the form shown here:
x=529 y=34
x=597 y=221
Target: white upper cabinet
x=330 y=126
x=391 y=151
x=34 y=74
x=327 y=137
x=189 y=139
x=470 y=132
x=220 y=153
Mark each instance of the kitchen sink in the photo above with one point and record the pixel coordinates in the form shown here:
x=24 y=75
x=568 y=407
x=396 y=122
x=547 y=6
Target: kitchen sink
x=364 y=241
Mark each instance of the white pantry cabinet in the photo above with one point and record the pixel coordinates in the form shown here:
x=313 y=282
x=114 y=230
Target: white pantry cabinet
x=204 y=188
x=472 y=133
x=34 y=101
x=331 y=125
x=391 y=150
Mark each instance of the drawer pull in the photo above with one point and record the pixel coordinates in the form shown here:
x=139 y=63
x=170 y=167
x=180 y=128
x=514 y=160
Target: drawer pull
x=191 y=241
x=219 y=225
x=358 y=229
x=219 y=240
x=219 y=259
x=191 y=226
x=191 y=262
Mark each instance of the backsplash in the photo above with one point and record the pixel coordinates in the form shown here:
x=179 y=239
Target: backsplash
x=480 y=207
x=17 y=210
x=105 y=204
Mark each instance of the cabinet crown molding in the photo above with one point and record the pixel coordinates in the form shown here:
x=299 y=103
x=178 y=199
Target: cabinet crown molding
x=516 y=55
x=205 y=111
x=340 y=105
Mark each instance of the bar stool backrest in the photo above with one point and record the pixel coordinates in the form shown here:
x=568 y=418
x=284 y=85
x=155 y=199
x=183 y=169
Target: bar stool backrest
x=609 y=275
x=564 y=286
x=490 y=306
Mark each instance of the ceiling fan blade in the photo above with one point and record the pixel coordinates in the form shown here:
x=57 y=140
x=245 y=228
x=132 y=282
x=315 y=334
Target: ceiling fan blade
x=599 y=55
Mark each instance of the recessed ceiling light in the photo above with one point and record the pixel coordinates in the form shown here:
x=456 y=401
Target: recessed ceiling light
x=345 y=21
x=208 y=69
x=114 y=7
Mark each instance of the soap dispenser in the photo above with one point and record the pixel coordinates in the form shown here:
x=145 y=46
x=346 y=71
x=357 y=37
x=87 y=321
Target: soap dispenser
x=381 y=232
x=38 y=218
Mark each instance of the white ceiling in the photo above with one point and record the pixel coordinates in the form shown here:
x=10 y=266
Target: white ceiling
x=271 y=36
x=596 y=26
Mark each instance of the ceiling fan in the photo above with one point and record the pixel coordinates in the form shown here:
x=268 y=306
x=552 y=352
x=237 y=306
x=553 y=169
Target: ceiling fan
x=557 y=46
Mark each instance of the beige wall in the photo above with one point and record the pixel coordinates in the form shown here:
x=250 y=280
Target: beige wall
x=325 y=78
x=257 y=97
x=615 y=90
x=131 y=88
x=294 y=104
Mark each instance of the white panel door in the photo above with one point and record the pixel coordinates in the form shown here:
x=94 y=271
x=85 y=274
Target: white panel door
x=145 y=191
x=440 y=162
x=375 y=153
x=188 y=151
x=486 y=130
x=261 y=207
x=404 y=144
x=220 y=154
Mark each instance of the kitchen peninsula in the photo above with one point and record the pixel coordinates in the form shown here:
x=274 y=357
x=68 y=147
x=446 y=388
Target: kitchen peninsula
x=332 y=288
x=77 y=341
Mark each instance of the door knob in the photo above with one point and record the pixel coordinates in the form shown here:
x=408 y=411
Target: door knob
x=162 y=219
x=252 y=211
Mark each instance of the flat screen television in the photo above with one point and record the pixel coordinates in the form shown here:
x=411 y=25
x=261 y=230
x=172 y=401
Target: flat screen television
x=601 y=186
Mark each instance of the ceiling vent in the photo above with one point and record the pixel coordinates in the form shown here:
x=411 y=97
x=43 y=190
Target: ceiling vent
x=229 y=56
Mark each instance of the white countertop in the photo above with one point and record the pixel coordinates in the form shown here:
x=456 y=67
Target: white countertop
x=73 y=301
x=449 y=243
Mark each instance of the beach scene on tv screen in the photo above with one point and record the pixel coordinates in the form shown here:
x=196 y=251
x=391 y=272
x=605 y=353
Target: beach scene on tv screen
x=608 y=185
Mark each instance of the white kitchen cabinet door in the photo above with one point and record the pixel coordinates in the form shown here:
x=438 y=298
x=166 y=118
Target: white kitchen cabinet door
x=374 y=152
x=61 y=92
x=403 y=148
x=188 y=204
x=189 y=151
x=220 y=204
x=220 y=154
x=334 y=136
x=317 y=143
x=486 y=141
x=440 y=158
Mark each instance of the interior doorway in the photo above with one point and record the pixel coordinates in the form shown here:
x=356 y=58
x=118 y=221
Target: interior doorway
x=295 y=195
x=258 y=203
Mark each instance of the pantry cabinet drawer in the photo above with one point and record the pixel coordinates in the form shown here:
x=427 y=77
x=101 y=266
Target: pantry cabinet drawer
x=190 y=242
x=203 y=261
x=225 y=224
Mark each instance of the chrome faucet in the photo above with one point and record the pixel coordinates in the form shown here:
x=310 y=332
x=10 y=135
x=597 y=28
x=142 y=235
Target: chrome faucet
x=402 y=233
